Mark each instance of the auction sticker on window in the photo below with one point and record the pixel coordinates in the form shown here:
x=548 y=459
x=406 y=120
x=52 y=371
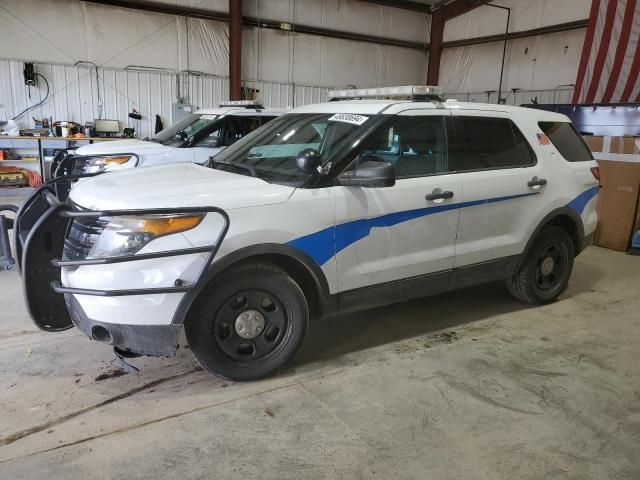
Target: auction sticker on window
x=349 y=118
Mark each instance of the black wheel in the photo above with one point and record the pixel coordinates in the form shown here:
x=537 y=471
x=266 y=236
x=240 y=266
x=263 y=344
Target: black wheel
x=253 y=321
x=546 y=270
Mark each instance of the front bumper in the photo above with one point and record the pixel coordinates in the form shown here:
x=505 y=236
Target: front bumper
x=155 y=340
x=41 y=227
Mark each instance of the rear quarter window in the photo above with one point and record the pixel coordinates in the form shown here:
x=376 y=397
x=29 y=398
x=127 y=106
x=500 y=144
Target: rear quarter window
x=567 y=140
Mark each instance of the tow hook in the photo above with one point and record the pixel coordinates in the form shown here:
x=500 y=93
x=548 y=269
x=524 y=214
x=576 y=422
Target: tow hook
x=120 y=359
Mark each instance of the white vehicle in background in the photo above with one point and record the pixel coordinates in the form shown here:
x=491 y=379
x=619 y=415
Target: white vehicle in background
x=194 y=139
x=330 y=208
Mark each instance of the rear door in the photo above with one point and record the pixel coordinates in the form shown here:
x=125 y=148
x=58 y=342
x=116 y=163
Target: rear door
x=502 y=182
x=408 y=230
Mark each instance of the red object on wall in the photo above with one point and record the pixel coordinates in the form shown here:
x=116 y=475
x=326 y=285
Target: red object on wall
x=610 y=62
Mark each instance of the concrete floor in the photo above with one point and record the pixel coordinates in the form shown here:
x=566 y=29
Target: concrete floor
x=471 y=384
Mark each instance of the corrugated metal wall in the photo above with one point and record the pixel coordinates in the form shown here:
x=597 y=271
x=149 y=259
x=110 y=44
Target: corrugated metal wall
x=560 y=95
x=73 y=94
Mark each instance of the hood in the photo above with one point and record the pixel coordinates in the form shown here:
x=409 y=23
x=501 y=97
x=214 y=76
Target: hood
x=177 y=185
x=139 y=147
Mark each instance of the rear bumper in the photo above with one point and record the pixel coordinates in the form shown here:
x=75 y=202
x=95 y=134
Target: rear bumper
x=587 y=241
x=155 y=340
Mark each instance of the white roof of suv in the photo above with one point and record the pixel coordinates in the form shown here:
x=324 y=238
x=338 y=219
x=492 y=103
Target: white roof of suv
x=240 y=111
x=391 y=107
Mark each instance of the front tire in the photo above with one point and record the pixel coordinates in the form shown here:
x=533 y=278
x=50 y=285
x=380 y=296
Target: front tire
x=546 y=269
x=252 y=323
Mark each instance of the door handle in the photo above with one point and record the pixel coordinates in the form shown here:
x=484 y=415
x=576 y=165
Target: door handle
x=438 y=194
x=537 y=182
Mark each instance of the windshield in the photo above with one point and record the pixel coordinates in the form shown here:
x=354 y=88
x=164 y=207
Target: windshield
x=178 y=133
x=270 y=152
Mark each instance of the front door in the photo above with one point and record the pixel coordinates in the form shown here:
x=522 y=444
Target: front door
x=408 y=230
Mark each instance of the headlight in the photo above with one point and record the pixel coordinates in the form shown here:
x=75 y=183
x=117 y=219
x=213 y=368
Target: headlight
x=128 y=235
x=107 y=162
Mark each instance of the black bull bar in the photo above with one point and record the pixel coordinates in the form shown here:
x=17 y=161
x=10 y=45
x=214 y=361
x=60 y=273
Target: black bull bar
x=40 y=228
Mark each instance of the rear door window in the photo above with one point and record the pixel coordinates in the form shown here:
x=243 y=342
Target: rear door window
x=567 y=140
x=484 y=143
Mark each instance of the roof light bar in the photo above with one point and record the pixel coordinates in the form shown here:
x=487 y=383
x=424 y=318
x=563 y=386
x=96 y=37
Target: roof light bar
x=240 y=103
x=418 y=92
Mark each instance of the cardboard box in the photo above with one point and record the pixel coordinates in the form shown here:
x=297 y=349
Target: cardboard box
x=595 y=143
x=619 y=149
x=617 y=204
x=624 y=145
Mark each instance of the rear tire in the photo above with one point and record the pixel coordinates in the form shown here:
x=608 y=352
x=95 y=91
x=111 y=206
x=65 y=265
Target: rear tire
x=546 y=269
x=253 y=321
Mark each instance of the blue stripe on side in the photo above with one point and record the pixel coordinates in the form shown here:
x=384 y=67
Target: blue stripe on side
x=580 y=202
x=320 y=245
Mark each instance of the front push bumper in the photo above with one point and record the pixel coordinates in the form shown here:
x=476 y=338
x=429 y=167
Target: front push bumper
x=40 y=230
x=66 y=168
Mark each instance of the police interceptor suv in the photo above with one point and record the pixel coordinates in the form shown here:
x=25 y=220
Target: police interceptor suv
x=330 y=208
x=194 y=139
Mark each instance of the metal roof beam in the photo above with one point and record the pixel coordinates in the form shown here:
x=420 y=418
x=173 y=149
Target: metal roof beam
x=560 y=27
x=201 y=13
x=458 y=7
x=402 y=4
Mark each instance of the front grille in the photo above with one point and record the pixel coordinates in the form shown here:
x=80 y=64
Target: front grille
x=67 y=165
x=82 y=235
x=78 y=166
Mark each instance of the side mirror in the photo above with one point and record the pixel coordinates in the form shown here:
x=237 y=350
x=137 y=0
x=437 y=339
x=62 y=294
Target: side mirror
x=369 y=175
x=308 y=160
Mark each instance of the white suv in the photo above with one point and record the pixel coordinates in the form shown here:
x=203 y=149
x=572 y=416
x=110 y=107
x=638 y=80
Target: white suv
x=194 y=139
x=330 y=208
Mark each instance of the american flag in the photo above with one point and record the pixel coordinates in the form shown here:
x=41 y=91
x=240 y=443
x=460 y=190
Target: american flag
x=543 y=139
x=610 y=63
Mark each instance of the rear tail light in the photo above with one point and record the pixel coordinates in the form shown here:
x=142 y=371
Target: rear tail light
x=595 y=171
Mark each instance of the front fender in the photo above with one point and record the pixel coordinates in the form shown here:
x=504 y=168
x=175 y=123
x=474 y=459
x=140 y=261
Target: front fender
x=248 y=253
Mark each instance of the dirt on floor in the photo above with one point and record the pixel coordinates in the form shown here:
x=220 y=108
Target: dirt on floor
x=471 y=384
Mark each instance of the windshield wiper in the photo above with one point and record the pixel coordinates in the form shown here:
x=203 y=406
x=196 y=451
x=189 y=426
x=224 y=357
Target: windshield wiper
x=151 y=139
x=248 y=168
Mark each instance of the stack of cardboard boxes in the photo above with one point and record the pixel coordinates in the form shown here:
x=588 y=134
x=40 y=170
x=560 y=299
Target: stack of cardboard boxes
x=618 y=209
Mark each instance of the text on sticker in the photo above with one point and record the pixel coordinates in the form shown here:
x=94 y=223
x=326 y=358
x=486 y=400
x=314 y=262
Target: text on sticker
x=349 y=118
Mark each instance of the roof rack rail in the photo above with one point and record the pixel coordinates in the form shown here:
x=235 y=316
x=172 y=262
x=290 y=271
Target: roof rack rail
x=418 y=93
x=242 y=103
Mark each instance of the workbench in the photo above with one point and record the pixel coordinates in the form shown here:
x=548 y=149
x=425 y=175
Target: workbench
x=42 y=149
